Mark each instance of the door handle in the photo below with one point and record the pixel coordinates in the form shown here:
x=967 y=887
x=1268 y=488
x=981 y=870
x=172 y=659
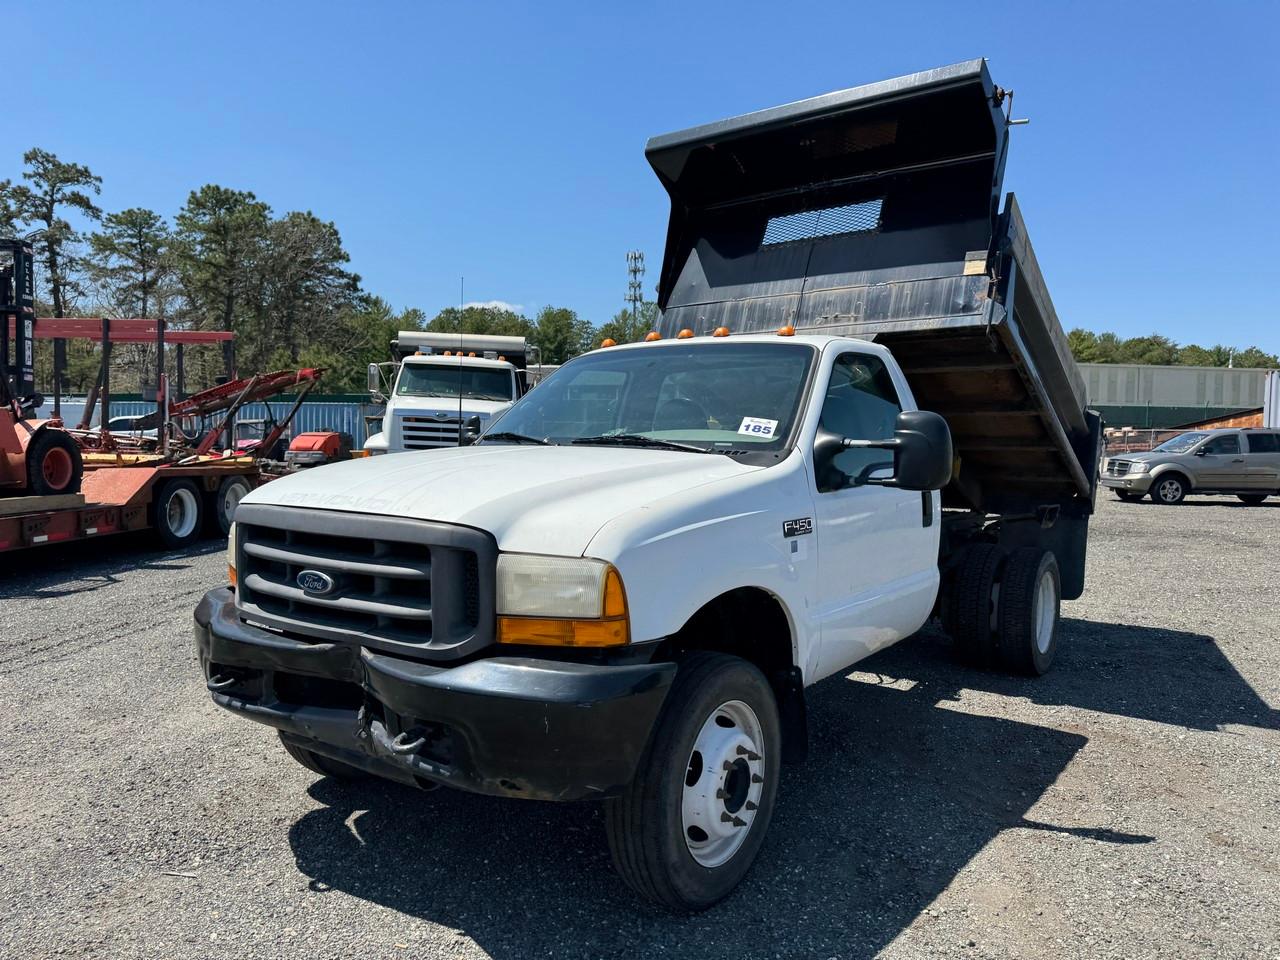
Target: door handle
x=1238 y=460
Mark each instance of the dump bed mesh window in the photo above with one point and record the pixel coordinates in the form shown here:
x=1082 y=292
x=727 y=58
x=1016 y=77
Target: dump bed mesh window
x=828 y=222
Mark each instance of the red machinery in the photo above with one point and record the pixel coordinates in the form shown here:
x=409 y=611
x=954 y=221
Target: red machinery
x=35 y=457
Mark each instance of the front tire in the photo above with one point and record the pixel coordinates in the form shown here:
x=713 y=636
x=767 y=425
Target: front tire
x=177 y=513
x=1030 y=603
x=1169 y=489
x=54 y=464
x=688 y=827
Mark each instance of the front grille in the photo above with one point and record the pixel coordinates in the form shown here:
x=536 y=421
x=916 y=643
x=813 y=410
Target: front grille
x=400 y=585
x=1118 y=468
x=422 y=433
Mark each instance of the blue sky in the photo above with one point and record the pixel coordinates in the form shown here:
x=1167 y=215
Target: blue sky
x=504 y=142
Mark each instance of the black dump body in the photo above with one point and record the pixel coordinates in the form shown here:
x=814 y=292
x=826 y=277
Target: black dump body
x=875 y=213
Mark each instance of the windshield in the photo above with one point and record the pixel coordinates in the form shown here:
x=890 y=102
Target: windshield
x=476 y=383
x=1181 y=443
x=714 y=397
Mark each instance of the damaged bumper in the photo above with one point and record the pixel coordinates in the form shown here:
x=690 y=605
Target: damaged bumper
x=509 y=726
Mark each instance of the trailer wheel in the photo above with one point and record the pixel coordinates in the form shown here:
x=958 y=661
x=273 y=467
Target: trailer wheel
x=177 y=513
x=54 y=465
x=689 y=826
x=1170 y=488
x=319 y=763
x=220 y=509
x=970 y=605
x=1030 y=599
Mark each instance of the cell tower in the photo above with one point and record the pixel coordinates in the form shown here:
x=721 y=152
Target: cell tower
x=635 y=276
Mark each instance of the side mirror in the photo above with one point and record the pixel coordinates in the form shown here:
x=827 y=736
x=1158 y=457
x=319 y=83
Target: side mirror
x=470 y=431
x=375 y=378
x=921 y=445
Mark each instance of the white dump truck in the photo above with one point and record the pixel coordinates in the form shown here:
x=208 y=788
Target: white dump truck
x=444 y=388
x=859 y=412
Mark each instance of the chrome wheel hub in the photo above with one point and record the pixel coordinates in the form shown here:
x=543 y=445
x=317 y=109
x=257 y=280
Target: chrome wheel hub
x=723 y=783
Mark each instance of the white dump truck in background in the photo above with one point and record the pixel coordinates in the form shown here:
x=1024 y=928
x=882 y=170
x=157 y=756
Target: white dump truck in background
x=444 y=388
x=858 y=412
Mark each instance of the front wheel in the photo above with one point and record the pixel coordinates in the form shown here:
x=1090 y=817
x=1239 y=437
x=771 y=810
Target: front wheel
x=1169 y=489
x=691 y=822
x=54 y=465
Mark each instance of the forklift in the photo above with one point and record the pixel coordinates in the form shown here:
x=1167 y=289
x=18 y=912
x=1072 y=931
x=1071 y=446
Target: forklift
x=37 y=458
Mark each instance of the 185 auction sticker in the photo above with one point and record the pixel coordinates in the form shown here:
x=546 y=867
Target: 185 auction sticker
x=757 y=427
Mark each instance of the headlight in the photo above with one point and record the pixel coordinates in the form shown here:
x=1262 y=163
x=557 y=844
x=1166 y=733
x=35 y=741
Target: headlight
x=1138 y=466
x=231 y=554
x=560 y=601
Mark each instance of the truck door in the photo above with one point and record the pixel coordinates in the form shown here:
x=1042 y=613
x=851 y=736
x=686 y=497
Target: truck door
x=877 y=546
x=1220 y=463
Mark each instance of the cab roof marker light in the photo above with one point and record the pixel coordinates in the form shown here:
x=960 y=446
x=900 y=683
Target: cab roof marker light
x=684 y=334
x=608 y=342
x=787 y=331
x=652 y=335
x=720 y=332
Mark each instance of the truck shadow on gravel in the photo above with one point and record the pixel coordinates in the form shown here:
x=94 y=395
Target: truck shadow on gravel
x=83 y=567
x=899 y=794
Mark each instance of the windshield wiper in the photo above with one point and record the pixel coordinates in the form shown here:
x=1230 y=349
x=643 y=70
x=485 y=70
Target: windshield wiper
x=517 y=438
x=638 y=440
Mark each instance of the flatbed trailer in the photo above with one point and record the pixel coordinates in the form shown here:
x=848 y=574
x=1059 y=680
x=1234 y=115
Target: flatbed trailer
x=874 y=212
x=124 y=499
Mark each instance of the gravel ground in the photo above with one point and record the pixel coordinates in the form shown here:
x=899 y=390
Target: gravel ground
x=1125 y=805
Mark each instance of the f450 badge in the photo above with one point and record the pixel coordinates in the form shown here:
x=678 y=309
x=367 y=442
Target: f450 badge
x=797 y=528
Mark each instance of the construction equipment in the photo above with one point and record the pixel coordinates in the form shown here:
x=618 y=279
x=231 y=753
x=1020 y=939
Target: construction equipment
x=36 y=457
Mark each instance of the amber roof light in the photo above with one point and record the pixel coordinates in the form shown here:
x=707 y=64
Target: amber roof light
x=787 y=331
x=608 y=342
x=720 y=332
x=652 y=335
x=684 y=334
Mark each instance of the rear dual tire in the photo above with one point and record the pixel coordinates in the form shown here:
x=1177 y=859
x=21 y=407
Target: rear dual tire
x=1004 y=608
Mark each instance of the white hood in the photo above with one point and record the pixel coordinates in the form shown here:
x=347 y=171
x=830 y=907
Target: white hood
x=532 y=499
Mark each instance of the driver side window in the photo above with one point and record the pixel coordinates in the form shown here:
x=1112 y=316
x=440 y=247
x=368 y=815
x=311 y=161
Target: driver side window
x=1227 y=443
x=861 y=404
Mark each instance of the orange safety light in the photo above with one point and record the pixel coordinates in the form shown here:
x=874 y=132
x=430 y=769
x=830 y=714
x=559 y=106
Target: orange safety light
x=502 y=359
x=721 y=332
x=471 y=354
x=684 y=334
x=652 y=335
x=448 y=353
x=608 y=342
x=787 y=331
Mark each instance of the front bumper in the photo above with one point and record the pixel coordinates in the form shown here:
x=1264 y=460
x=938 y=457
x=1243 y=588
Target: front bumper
x=507 y=726
x=1130 y=482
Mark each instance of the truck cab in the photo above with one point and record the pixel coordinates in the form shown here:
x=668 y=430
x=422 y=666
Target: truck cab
x=443 y=389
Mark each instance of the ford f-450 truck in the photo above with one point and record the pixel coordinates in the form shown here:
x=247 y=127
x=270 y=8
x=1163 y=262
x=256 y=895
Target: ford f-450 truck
x=858 y=412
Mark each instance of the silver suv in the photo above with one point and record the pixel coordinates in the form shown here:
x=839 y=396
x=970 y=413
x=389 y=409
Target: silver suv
x=1243 y=462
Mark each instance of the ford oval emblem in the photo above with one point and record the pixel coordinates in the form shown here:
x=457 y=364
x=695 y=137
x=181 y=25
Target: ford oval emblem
x=313 y=581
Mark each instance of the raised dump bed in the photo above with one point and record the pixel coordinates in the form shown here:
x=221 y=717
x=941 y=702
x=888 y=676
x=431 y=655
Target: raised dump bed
x=874 y=212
